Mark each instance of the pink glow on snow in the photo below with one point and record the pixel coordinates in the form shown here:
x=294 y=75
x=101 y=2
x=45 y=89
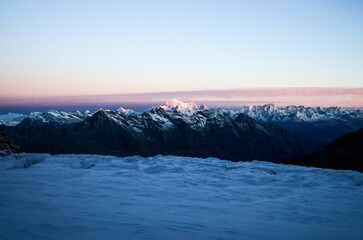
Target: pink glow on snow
x=175 y=104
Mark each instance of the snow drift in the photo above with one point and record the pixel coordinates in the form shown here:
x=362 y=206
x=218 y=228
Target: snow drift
x=167 y=197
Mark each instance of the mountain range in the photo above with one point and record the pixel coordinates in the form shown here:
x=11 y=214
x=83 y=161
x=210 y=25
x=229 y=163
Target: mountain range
x=324 y=123
x=175 y=128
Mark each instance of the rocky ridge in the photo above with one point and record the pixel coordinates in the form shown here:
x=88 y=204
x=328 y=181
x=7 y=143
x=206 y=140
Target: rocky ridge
x=175 y=128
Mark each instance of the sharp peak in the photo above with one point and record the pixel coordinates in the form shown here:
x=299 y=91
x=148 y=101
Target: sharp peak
x=269 y=104
x=175 y=104
x=264 y=106
x=104 y=110
x=125 y=110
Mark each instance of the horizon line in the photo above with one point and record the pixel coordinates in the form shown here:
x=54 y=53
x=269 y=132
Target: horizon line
x=306 y=96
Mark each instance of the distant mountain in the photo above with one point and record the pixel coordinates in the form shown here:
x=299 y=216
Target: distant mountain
x=176 y=128
x=270 y=113
x=324 y=123
x=11 y=119
x=36 y=118
x=345 y=152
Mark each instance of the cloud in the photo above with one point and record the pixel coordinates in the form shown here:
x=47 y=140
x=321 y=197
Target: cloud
x=343 y=97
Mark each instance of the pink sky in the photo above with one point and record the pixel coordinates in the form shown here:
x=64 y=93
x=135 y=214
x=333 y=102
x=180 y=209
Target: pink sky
x=343 y=97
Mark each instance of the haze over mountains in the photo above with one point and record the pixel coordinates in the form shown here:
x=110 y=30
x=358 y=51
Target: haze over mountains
x=224 y=98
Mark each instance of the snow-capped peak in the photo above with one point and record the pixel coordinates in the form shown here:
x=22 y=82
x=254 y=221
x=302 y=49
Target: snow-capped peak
x=270 y=112
x=104 y=110
x=125 y=111
x=269 y=107
x=182 y=106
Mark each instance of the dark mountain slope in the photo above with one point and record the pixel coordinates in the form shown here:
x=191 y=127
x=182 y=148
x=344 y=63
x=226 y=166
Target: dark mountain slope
x=345 y=152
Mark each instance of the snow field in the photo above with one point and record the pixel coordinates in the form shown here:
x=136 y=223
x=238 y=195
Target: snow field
x=167 y=197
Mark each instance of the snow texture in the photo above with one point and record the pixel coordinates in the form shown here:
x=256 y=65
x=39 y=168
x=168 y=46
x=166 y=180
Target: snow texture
x=179 y=106
x=51 y=116
x=122 y=110
x=167 y=197
x=11 y=119
x=270 y=112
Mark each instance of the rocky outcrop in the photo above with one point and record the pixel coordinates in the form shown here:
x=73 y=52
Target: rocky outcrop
x=7 y=146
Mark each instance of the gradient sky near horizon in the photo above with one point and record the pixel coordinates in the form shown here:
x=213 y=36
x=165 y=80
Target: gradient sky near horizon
x=70 y=48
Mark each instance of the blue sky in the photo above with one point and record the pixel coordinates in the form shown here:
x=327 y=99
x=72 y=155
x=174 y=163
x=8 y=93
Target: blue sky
x=60 y=48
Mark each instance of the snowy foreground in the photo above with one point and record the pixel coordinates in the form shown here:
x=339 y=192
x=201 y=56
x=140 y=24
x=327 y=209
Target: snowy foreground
x=104 y=197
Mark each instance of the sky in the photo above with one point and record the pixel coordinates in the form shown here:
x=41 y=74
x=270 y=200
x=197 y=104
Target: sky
x=226 y=99
x=85 y=48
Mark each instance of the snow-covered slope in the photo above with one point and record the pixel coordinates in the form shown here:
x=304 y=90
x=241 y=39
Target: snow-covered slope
x=60 y=117
x=51 y=116
x=104 y=197
x=176 y=105
x=125 y=111
x=270 y=113
x=11 y=119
